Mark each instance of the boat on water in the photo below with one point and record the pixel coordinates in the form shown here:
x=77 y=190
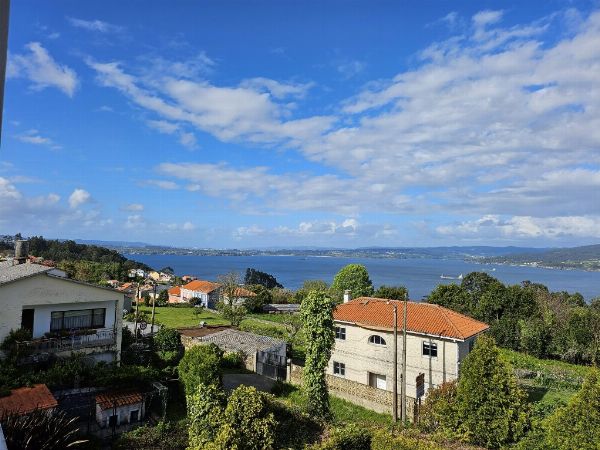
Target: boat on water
x=445 y=277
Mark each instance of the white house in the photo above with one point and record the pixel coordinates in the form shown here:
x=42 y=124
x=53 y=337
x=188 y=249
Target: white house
x=438 y=339
x=63 y=315
x=202 y=292
x=119 y=407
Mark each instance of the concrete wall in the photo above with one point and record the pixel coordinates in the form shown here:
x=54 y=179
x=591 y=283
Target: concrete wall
x=46 y=294
x=358 y=393
x=362 y=358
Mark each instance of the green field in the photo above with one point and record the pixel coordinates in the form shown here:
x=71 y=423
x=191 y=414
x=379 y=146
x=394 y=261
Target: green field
x=549 y=380
x=183 y=317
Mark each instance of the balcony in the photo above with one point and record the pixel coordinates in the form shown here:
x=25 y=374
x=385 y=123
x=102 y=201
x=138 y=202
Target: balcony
x=100 y=338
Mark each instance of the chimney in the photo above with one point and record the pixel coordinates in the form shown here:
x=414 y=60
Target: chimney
x=347 y=295
x=21 y=251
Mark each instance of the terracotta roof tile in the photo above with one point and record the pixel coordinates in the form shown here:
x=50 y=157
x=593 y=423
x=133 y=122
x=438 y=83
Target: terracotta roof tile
x=422 y=318
x=201 y=286
x=108 y=400
x=175 y=290
x=27 y=399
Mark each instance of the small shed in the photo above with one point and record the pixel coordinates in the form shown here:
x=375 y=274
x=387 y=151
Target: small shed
x=282 y=308
x=114 y=408
x=262 y=353
x=27 y=399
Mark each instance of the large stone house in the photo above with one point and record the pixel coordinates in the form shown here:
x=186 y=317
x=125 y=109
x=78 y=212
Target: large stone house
x=63 y=315
x=361 y=364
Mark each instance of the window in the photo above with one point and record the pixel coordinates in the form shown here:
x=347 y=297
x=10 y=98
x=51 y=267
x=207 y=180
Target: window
x=430 y=349
x=340 y=333
x=339 y=369
x=377 y=340
x=134 y=415
x=377 y=380
x=77 y=319
x=113 y=421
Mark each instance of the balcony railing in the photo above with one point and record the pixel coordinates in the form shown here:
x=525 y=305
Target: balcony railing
x=102 y=337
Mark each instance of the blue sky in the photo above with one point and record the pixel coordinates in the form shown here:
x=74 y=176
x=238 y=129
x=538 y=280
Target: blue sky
x=253 y=124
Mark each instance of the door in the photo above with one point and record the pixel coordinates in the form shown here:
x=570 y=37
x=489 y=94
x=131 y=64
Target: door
x=113 y=421
x=27 y=319
x=377 y=380
x=134 y=415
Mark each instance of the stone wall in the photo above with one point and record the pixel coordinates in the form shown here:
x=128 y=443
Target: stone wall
x=378 y=400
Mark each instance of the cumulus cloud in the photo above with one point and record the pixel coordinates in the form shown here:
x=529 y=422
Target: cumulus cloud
x=135 y=221
x=42 y=70
x=79 y=197
x=34 y=137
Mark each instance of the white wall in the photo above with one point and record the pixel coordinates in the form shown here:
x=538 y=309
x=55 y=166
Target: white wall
x=48 y=293
x=362 y=357
x=124 y=413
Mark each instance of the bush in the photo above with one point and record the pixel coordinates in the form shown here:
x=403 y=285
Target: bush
x=439 y=409
x=233 y=360
x=200 y=364
x=205 y=414
x=385 y=440
x=247 y=422
x=350 y=437
x=9 y=345
x=165 y=435
x=167 y=340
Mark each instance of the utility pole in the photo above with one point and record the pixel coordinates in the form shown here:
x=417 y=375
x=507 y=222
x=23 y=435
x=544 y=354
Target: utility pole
x=137 y=303
x=403 y=406
x=395 y=386
x=153 y=306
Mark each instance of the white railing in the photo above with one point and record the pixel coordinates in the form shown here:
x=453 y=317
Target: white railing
x=102 y=337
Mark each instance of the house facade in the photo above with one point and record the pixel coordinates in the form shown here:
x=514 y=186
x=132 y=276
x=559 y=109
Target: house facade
x=202 y=292
x=63 y=315
x=437 y=341
x=114 y=409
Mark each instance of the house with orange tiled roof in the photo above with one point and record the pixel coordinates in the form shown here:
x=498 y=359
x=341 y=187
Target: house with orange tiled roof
x=207 y=293
x=175 y=295
x=437 y=341
x=27 y=399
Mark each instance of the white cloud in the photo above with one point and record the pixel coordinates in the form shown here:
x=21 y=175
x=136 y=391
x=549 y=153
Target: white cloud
x=349 y=69
x=162 y=126
x=79 y=197
x=94 y=25
x=133 y=207
x=42 y=70
x=524 y=227
x=34 y=137
x=163 y=184
x=135 y=221
x=170 y=227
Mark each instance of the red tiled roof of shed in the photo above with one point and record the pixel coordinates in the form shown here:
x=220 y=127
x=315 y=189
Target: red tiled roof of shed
x=27 y=399
x=108 y=400
x=424 y=318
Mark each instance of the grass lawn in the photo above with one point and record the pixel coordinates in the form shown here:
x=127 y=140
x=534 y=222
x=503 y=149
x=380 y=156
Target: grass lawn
x=554 y=380
x=343 y=411
x=184 y=317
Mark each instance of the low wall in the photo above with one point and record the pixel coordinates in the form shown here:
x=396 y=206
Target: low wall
x=378 y=400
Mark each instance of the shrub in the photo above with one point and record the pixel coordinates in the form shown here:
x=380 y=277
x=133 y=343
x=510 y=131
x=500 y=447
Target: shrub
x=385 y=440
x=233 y=360
x=247 y=422
x=41 y=429
x=439 y=409
x=205 y=414
x=350 y=437
x=200 y=364
x=165 y=435
x=167 y=340
x=9 y=345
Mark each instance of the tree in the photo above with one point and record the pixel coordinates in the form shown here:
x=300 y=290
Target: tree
x=167 y=340
x=146 y=299
x=263 y=297
x=317 y=317
x=353 y=277
x=452 y=296
x=247 y=422
x=168 y=270
x=254 y=276
x=204 y=414
x=228 y=305
x=200 y=364
x=476 y=283
x=491 y=409
x=310 y=285
x=392 y=292
x=163 y=298
x=577 y=425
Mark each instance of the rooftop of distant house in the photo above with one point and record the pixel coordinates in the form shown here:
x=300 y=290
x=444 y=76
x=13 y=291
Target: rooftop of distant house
x=201 y=286
x=175 y=290
x=235 y=341
x=27 y=399
x=421 y=318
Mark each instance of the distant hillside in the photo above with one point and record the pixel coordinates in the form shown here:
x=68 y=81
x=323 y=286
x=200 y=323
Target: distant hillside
x=586 y=257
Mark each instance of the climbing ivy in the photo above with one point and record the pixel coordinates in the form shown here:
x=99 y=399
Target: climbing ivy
x=317 y=318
